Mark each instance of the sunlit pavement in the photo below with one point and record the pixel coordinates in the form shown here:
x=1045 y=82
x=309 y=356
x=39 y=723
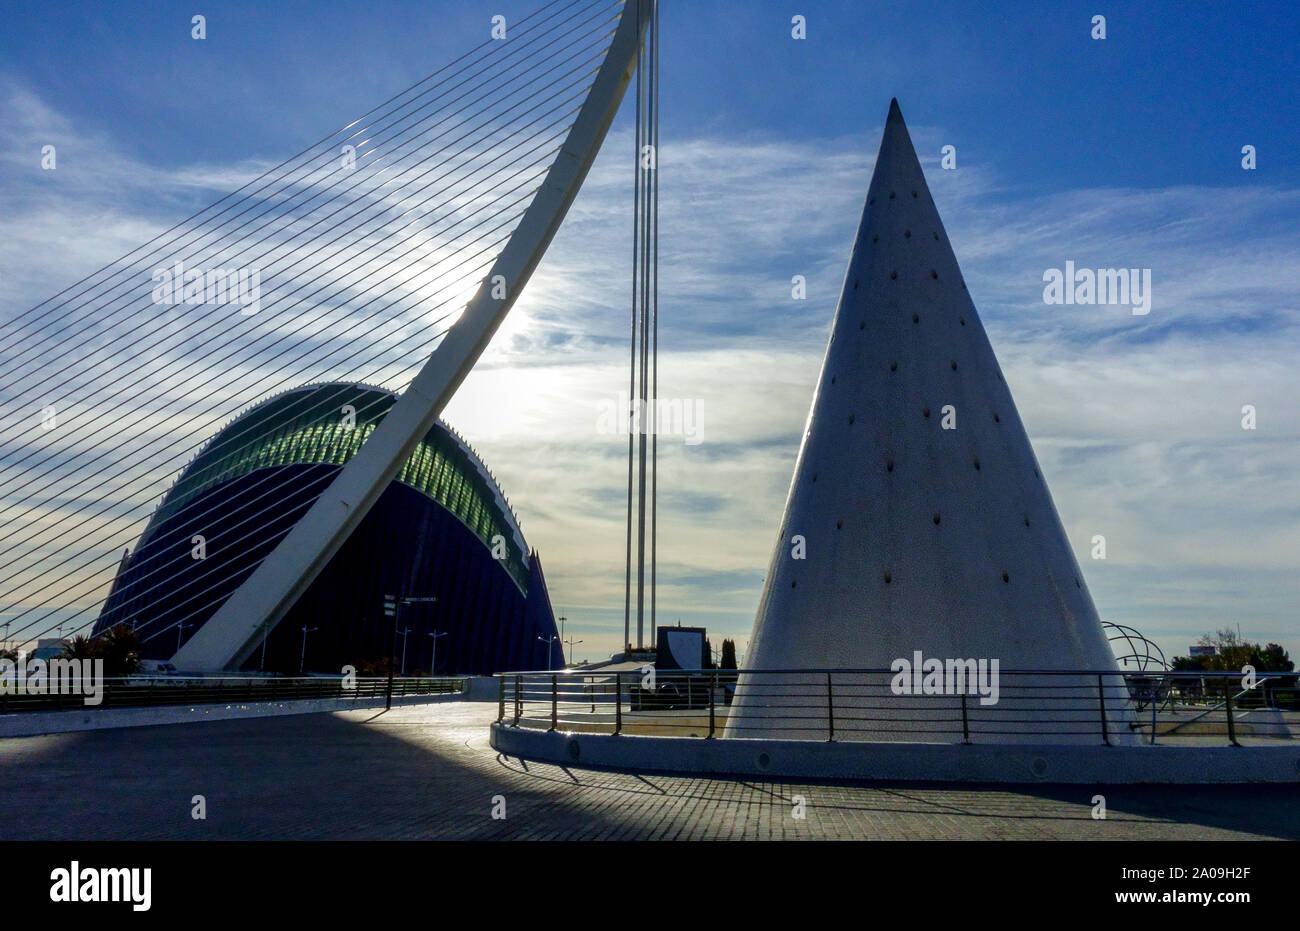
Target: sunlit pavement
x=427 y=772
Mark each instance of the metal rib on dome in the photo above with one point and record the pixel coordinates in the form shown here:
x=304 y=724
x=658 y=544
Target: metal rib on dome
x=308 y=426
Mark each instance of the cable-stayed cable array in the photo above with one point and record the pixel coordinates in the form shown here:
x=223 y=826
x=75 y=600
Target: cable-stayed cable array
x=347 y=262
x=643 y=377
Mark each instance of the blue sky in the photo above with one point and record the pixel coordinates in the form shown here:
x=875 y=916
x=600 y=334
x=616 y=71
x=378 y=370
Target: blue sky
x=1122 y=152
x=1164 y=100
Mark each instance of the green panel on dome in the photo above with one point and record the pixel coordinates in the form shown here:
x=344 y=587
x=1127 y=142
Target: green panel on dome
x=309 y=426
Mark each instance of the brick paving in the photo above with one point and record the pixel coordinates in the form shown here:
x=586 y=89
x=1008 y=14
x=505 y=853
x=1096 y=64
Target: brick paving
x=427 y=772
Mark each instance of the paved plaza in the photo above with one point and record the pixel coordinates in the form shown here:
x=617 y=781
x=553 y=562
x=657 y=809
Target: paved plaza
x=427 y=772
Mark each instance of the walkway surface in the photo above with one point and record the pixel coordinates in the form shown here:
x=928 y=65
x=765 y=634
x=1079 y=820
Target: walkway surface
x=427 y=771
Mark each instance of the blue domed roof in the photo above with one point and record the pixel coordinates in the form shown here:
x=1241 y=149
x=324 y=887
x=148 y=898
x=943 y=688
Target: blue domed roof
x=325 y=424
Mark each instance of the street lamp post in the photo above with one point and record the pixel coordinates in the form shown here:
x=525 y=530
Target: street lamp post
x=404 y=631
x=179 y=628
x=433 y=661
x=572 y=643
x=302 y=658
x=392 y=608
x=410 y=600
x=548 y=641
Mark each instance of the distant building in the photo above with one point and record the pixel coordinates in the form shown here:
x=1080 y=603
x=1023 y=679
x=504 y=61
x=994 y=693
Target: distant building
x=47 y=648
x=441 y=529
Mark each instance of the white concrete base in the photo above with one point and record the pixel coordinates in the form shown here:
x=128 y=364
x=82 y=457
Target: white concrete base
x=905 y=761
x=28 y=724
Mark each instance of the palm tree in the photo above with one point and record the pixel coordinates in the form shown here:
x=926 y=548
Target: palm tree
x=79 y=647
x=120 y=648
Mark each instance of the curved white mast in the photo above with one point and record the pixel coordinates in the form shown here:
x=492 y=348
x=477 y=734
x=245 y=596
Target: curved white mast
x=235 y=630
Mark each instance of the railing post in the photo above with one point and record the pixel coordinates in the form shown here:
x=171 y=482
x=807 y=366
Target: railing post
x=830 y=710
x=1154 y=707
x=518 y=702
x=618 y=702
x=713 y=688
x=1232 y=728
x=1101 y=706
x=555 y=704
x=501 y=699
x=965 y=721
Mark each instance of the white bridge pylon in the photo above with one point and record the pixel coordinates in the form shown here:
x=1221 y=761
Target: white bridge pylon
x=230 y=636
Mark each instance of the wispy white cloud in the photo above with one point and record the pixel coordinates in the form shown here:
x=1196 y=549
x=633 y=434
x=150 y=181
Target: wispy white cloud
x=1136 y=419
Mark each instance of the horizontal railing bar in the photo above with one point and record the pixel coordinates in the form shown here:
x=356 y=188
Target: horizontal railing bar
x=798 y=703
x=661 y=675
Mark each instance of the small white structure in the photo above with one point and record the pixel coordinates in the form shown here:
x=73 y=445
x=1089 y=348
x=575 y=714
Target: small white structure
x=918 y=518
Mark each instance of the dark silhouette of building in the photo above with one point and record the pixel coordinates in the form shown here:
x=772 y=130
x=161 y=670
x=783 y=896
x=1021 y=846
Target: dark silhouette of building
x=441 y=529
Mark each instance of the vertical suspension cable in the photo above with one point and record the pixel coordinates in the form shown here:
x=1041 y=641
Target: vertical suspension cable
x=646 y=413
x=631 y=387
x=643 y=381
x=654 y=313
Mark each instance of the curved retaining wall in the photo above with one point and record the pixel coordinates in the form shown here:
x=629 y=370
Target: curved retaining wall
x=905 y=762
x=33 y=723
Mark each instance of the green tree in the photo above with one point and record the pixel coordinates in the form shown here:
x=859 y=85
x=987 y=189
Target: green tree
x=728 y=660
x=119 y=647
x=79 y=647
x=374 y=667
x=1274 y=658
x=1233 y=653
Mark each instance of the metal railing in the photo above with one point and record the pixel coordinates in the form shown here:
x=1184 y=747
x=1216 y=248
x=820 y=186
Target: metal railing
x=153 y=691
x=1103 y=706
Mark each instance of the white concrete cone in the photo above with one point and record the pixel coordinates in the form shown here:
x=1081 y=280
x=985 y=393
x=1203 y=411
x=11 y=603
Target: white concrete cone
x=916 y=537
